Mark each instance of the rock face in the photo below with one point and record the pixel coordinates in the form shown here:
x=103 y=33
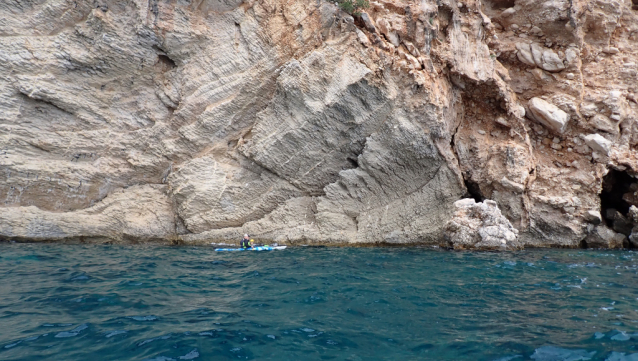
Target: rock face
x=131 y=120
x=480 y=226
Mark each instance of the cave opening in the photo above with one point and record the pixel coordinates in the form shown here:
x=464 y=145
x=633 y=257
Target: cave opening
x=473 y=191
x=168 y=62
x=615 y=185
x=503 y=4
x=634 y=4
x=164 y=59
x=617 y=195
x=354 y=162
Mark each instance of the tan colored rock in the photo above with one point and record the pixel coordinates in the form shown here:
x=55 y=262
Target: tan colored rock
x=601 y=122
x=294 y=121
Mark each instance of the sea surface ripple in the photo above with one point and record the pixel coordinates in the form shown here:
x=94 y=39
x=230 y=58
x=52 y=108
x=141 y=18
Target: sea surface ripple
x=88 y=302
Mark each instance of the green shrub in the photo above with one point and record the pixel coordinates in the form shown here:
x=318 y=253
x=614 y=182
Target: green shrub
x=353 y=7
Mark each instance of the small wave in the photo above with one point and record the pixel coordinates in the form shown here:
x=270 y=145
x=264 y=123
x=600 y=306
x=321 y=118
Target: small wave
x=621 y=356
x=74 y=332
x=144 y=318
x=166 y=337
x=508 y=358
x=552 y=353
x=13 y=344
x=115 y=333
x=191 y=355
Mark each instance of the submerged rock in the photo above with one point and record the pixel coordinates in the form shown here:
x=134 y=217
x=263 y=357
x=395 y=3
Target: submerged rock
x=480 y=226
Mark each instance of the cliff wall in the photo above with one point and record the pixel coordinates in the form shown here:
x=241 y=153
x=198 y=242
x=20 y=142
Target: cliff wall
x=198 y=121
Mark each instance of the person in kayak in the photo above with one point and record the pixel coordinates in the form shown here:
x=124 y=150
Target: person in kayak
x=246 y=242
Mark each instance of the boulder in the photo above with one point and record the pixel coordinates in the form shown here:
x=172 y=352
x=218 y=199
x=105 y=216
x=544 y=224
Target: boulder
x=536 y=55
x=633 y=237
x=548 y=115
x=598 y=143
x=367 y=22
x=603 y=237
x=593 y=217
x=386 y=29
x=551 y=62
x=631 y=198
x=524 y=54
x=516 y=187
x=572 y=55
x=602 y=123
x=508 y=12
x=480 y=226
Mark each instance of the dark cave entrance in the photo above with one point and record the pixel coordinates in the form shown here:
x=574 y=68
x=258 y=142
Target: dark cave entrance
x=503 y=4
x=164 y=59
x=473 y=191
x=617 y=195
x=635 y=4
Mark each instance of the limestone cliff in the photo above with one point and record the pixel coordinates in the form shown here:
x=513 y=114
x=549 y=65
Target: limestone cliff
x=200 y=120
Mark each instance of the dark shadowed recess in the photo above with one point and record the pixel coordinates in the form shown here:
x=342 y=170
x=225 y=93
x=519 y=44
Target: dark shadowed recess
x=502 y=4
x=163 y=58
x=618 y=194
x=473 y=191
x=615 y=185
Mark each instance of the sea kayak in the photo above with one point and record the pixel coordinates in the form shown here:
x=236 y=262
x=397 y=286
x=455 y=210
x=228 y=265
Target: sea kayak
x=269 y=248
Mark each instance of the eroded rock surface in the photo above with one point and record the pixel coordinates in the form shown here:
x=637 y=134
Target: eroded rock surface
x=480 y=226
x=297 y=122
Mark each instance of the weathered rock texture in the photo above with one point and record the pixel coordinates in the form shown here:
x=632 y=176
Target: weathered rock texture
x=199 y=121
x=480 y=226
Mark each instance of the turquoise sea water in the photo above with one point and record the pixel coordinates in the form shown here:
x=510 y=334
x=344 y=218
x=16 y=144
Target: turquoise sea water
x=71 y=302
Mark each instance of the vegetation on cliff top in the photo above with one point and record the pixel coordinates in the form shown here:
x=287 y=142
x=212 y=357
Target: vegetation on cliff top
x=353 y=7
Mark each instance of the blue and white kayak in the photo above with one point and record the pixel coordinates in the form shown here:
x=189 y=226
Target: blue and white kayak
x=269 y=248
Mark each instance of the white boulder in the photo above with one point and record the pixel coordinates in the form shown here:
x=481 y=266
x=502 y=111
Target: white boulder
x=536 y=55
x=480 y=226
x=548 y=115
x=524 y=54
x=598 y=143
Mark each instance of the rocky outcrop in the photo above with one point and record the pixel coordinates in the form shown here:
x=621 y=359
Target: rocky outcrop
x=480 y=226
x=294 y=121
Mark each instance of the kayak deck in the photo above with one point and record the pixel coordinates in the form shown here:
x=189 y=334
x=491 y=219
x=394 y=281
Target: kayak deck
x=269 y=248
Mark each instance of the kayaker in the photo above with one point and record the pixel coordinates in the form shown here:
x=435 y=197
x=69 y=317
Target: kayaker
x=245 y=242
